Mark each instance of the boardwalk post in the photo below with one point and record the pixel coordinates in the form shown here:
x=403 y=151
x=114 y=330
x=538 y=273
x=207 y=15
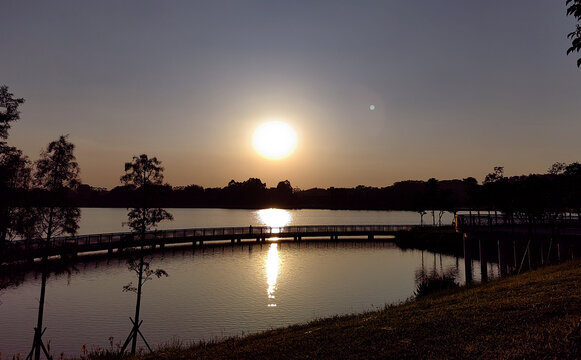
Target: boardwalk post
x=467 y=259
x=561 y=250
x=483 y=261
x=502 y=258
x=516 y=253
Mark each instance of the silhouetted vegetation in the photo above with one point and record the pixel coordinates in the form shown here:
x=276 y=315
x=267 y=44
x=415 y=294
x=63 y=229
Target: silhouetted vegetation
x=574 y=9
x=9 y=111
x=14 y=171
x=534 y=196
x=254 y=194
x=57 y=173
x=433 y=284
x=144 y=178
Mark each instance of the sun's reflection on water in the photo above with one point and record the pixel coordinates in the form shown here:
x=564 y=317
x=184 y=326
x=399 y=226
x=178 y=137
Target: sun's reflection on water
x=272 y=268
x=274 y=218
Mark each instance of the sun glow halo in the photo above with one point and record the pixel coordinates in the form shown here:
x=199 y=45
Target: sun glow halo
x=274 y=140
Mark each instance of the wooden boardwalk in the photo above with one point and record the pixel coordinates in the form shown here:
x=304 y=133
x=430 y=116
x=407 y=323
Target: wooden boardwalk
x=513 y=242
x=112 y=242
x=497 y=223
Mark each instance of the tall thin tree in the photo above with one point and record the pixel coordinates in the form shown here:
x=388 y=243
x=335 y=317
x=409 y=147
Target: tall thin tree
x=145 y=176
x=57 y=173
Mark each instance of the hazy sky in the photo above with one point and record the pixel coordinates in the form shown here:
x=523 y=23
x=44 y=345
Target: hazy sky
x=458 y=87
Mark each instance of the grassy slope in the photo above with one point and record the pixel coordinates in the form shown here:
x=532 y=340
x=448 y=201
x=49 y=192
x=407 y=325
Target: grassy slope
x=525 y=316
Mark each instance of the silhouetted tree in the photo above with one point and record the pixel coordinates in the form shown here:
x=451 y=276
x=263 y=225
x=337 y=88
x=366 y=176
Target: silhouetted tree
x=145 y=175
x=14 y=167
x=574 y=9
x=496 y=191
x=15 y=171
x=247 y=194
x=8 y=110
x=572 y=179
x=496 y=175
x=557 y=168
x=56 y=172
x=284 y=194
x=432 y=197
x=473 y=192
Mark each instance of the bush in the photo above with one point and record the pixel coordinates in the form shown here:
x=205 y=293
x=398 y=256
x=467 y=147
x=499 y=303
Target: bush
x=435 y=283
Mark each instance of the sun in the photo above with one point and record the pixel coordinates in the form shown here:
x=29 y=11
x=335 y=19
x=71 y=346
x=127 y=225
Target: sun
x=274 y=140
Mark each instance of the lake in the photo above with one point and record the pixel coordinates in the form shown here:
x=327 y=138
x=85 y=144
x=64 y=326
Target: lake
x=215 y=292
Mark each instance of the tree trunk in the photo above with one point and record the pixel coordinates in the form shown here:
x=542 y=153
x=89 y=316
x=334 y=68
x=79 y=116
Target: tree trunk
x=137 y=305
x=38 y=330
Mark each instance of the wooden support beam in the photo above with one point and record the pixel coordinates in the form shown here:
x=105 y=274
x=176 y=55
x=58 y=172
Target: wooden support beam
x=502 y=257
x=467 y=259
x=483 y=261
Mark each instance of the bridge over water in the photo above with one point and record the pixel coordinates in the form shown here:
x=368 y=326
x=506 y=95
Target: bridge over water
x=71 y=246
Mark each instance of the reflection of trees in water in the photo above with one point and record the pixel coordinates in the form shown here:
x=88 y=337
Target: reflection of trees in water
x=432 y=267
x=13 y=277
x=9 y=281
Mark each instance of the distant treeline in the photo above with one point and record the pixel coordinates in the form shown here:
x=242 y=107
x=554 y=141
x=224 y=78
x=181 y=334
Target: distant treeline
x=536 y=195
x=253 y=193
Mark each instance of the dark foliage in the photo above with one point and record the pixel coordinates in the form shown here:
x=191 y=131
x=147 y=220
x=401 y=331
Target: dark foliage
x=8 y=110
x=144 y=177
x=57 y=175
x=432 y=284
x=147 y=273
x=574 y=9
x=15 y=178
x=14 y=170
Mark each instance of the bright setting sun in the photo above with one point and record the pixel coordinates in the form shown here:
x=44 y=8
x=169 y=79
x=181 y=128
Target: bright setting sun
x=274 y=140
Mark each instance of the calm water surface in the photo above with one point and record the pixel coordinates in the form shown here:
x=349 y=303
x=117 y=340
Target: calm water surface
x=219 y=291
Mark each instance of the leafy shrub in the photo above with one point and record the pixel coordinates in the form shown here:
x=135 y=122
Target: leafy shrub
x=434 y=283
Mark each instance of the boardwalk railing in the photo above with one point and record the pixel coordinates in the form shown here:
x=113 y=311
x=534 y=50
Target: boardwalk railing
x=108 y=242
x=501 y=220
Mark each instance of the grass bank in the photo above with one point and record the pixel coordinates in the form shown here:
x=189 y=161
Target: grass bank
x=533 y=315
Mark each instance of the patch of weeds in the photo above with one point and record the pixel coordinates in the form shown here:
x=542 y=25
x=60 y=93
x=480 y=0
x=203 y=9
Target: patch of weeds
x=434 y=283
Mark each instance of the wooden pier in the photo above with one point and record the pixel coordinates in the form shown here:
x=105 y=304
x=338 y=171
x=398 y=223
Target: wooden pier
x=71 y=246
x=516 y=243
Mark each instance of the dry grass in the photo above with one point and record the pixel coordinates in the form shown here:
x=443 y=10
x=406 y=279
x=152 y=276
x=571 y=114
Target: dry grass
x=530 y=316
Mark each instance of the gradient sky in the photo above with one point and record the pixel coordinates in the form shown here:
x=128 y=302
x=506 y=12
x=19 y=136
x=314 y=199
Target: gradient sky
x=459 y=87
